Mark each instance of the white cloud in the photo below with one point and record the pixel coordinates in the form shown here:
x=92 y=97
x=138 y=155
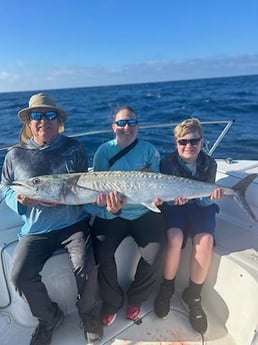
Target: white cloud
x=149 y=71
x=5 y=75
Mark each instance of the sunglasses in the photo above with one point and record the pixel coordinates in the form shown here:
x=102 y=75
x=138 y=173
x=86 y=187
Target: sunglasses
x=38 y=115
x=192 y=142
x=122 y=123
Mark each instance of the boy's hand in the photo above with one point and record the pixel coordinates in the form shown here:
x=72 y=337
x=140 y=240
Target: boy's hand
x=217 y=194
x=157 y=201
x=180 y=201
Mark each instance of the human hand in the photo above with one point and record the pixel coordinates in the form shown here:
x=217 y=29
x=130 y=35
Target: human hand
x=157 y=201
x=115 y=202
x=180 y=201
x=101 y=199
x=32 y=202
x=217 y=194
x=26 y=201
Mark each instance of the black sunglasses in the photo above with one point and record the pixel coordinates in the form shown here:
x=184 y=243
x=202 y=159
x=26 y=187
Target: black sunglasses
x=122 y=123
x=38 y=115
x=192 y=142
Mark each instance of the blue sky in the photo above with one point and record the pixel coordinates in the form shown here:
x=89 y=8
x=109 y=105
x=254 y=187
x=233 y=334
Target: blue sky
x=57 y=44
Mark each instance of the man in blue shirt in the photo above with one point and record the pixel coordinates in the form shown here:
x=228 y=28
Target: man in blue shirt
x=43 y=150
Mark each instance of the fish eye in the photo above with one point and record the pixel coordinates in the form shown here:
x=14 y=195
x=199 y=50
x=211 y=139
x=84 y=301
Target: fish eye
x=36 y=180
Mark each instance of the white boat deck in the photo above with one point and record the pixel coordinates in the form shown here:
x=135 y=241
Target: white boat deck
x=241 y=257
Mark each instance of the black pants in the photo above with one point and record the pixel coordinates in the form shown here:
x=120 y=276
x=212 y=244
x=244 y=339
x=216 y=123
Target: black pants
x=148 y=232
x=34 y=250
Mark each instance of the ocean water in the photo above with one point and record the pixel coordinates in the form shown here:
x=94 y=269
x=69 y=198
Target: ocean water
x=90 y=109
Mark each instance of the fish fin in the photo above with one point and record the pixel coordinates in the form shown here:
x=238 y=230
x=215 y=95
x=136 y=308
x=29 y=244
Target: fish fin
x=152 y=207
x=240 y=189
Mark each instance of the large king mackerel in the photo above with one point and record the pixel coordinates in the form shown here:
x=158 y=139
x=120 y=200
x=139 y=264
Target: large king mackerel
x=138 y=187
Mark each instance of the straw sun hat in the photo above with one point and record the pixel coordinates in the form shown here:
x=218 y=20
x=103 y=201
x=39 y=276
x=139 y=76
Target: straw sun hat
x=40 y=100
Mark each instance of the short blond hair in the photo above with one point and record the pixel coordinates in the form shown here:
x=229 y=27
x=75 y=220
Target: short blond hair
x=188 y=126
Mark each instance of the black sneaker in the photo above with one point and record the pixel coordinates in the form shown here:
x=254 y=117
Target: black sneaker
x=43 y=332
x=197 y=316
x=93 y=329
x=162 y=301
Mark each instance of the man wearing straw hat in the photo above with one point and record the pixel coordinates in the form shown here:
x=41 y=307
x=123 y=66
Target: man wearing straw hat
x=44 y=150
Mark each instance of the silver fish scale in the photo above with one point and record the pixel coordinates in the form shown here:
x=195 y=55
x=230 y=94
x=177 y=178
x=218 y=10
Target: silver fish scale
x=121 y=181
x=144 y=186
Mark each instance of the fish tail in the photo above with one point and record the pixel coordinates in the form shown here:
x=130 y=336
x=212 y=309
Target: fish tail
x=240 y=190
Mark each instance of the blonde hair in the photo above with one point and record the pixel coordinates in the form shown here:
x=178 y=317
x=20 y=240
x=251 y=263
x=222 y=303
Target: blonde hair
x=188 y=126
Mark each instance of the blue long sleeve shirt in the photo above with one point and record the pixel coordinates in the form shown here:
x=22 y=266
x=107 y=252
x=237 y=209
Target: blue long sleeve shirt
x=22 y=161
x=143 y=156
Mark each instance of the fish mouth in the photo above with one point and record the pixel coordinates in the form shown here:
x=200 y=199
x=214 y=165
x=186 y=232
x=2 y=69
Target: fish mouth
x=24 y=190
x=20 y=185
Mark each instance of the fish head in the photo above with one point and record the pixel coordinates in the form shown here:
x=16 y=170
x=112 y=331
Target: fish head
x=42 y=188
